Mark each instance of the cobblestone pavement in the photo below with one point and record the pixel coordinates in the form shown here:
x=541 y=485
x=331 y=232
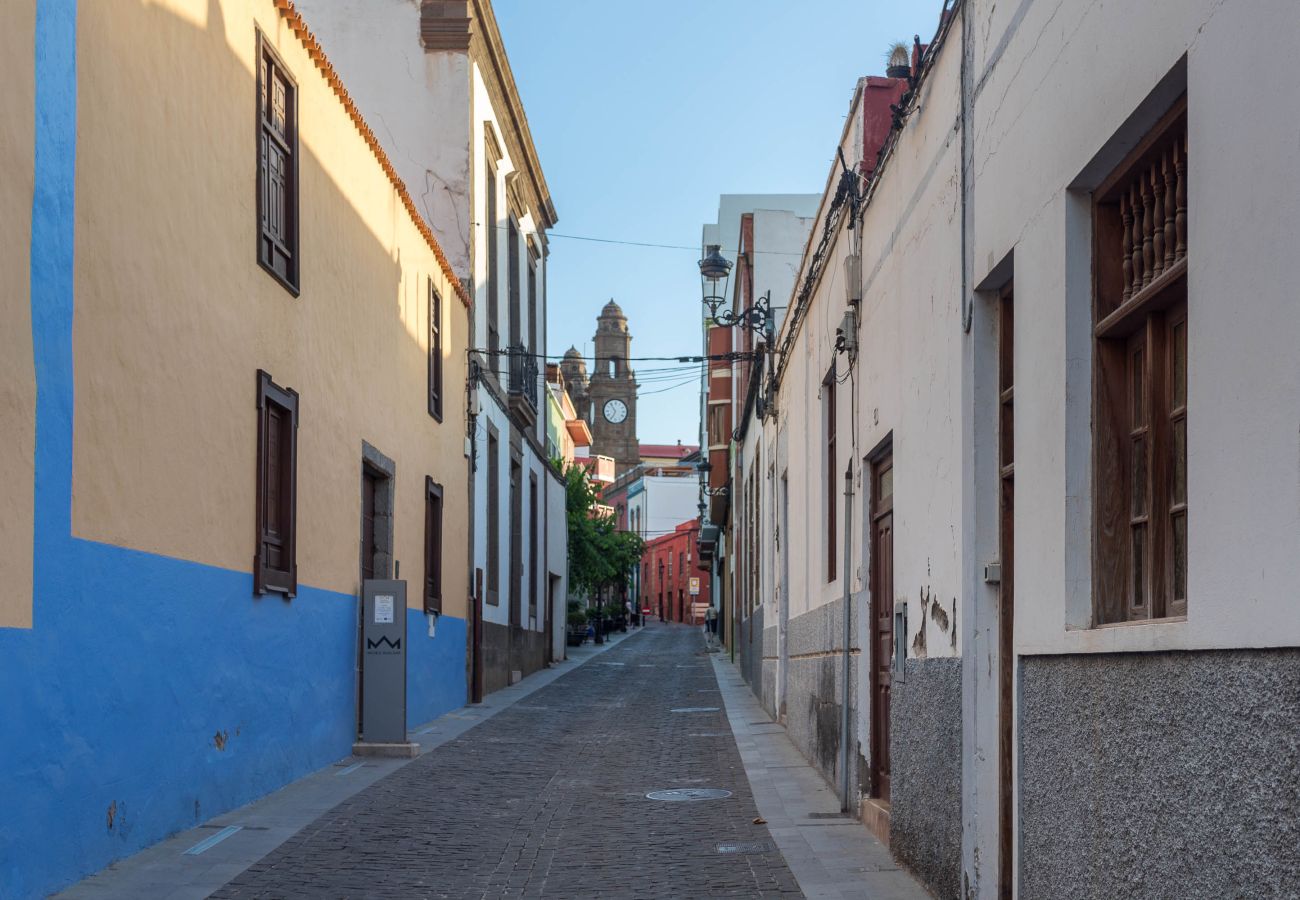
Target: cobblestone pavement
x=547 y=798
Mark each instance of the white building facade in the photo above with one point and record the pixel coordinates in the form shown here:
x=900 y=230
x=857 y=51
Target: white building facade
x=434 y=78
x=1055 y=357
x=762 y=237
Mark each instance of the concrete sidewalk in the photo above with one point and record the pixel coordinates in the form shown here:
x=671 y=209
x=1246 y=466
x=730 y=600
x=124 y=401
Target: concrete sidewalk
x=831 y=856
x=197 y=862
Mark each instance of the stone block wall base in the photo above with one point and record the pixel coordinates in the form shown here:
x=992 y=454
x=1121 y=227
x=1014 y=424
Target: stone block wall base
x=875 y=815
x=406 y=750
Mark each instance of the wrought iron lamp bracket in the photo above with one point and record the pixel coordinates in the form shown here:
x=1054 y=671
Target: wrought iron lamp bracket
x=757 y=317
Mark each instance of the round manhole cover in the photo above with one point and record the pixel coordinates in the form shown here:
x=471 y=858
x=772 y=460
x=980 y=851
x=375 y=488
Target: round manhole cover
x=691 y=709
x=679 y=795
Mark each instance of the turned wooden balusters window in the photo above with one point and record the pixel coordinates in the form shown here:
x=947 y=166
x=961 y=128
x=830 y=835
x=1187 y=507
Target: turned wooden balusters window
x=435 y=353
x=277 y=187
x=275 y=566
x=1140 y=380
x=432 y=546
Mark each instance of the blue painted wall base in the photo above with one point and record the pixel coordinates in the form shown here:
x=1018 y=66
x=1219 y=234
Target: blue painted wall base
x=153 y=694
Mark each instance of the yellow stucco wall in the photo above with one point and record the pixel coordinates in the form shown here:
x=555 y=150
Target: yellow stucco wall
x=168 y=340
x=17 y=377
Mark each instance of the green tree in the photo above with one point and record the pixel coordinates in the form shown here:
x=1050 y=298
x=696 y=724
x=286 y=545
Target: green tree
x=600 y=556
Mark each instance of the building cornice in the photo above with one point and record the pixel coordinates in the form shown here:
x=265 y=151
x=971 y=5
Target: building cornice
x=470 y=26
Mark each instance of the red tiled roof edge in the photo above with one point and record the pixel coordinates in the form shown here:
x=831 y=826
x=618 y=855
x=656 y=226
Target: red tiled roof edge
x=667 y=449
x=299 y=27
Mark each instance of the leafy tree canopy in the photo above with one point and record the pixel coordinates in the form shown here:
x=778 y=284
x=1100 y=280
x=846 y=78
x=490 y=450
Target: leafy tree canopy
x=600 y=556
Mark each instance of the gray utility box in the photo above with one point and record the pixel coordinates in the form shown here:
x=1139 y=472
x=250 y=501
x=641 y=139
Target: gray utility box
x=383 y=662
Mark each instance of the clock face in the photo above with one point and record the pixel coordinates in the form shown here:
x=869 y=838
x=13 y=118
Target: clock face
x=615 y=411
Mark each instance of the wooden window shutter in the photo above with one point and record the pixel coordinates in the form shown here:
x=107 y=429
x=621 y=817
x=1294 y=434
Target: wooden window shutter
x=435 y=353
x=275 y=567
x=1140 y=325
x=277 y=162
x=432 y=546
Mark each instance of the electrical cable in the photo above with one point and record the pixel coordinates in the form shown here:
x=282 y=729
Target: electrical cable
x=732 y=356
x=666 y=389
x=651 y=244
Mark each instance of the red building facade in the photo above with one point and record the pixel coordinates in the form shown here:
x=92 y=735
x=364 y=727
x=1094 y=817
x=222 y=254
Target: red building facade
x=673 y=586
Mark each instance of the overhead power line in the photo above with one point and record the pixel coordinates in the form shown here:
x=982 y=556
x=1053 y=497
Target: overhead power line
x=657 y=246
x=732 y=356
x=600 y=240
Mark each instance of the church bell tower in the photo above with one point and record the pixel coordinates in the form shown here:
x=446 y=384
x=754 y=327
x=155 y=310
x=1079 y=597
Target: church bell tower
x=612 y=392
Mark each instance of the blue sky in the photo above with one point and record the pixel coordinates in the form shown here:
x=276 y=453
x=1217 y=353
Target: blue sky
x=643 y=113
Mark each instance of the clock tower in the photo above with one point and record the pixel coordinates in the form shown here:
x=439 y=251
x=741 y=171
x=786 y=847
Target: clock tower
x=612 y=392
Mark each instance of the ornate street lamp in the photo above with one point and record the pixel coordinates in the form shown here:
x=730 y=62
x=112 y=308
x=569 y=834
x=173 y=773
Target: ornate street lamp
x=716 y=268
x=704 y=468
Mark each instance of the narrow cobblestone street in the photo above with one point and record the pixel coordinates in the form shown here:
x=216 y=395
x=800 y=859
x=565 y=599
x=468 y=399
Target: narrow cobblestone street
x=548 y=798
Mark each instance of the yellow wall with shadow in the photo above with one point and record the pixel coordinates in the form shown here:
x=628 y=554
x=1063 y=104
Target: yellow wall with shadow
x=174 y=316
x=17 y=375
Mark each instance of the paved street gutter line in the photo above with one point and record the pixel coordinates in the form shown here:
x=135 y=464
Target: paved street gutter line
x=252 y=831
x=857 y=864
x=210 y=842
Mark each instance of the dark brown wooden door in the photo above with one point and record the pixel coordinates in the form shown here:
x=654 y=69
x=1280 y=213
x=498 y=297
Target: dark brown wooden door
x=476 y=666
x=369 y=488
x=882 y=624
x=1006 y=603
x=516 y=543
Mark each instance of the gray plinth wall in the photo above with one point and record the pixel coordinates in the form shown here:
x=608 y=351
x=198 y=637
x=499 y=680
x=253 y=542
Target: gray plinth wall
x=749 y=650
x=1170 y=774
x=756 y=653
x=815 y=689
x=508 y=648
x=925 y=772
x=767 y=689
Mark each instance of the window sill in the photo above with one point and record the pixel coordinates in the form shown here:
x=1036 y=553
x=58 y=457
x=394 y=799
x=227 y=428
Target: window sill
x=284 y=282
x=1136 y=623
x=1147 y=636
x=1130 y=313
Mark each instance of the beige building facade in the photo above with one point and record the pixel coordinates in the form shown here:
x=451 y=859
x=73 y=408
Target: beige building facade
x=437 y=74
x=234 y=387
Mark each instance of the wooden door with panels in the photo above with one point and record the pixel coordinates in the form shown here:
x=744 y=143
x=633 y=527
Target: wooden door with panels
x=882 y=618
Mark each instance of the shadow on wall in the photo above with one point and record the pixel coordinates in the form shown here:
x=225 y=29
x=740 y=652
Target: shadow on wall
x=153 y=693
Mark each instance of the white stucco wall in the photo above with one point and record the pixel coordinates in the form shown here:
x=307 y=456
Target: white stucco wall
x=779 y=238
x=1100 y=62
x=557 y=562
x=664 y=502
x=417 y=103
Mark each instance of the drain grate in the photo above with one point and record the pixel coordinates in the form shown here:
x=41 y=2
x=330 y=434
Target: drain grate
x=748 y=847
x=680 y=795
x=828 y=815
x=691 y=709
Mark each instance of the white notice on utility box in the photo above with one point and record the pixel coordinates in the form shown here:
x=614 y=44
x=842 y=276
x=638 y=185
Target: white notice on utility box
x=383 y=609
